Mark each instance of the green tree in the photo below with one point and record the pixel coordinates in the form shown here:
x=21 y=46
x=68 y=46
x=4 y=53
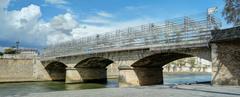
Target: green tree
x=9 y=51
x=231 y=12
x=1 y=53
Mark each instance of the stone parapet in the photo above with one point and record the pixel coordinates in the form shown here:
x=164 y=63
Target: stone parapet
x=229 y=34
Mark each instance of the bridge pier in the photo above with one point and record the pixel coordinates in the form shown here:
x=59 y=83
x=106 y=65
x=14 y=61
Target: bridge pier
x=86 y=75
x=139 y=76
x=72 y=75
x=226 y=63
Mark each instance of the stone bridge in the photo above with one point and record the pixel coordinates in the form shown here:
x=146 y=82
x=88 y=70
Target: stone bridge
x=142 y=51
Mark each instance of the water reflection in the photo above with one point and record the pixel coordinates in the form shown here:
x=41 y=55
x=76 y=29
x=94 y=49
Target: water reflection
x=7 y=89
x=83 y=86
x=21 y=89
x=182 y=78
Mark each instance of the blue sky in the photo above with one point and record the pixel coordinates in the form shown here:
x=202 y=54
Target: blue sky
x=123 y=9
x=37 y=23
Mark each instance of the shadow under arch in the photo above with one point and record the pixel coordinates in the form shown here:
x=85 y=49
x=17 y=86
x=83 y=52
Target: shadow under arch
x=94 y=62
x=56 y=70
x=159 y=59
x=93 y=69
x=149 y=69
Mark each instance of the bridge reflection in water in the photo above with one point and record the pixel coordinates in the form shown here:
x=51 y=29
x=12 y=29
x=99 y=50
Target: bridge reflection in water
x=10 y=89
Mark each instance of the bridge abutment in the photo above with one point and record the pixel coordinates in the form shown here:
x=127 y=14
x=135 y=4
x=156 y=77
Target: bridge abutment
x=139 y=76
x=226 y=56
x=226 y=63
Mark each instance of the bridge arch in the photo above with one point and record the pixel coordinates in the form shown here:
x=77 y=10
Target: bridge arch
x=94 y=62
x=56 y=70
x=149 y=70
x=159 y=59
x=92 y=70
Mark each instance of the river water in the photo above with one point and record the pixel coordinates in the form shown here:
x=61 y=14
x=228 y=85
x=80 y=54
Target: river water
x=8 y=89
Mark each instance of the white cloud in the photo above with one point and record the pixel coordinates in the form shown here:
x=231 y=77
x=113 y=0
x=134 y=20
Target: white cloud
x=61 y=27
x=57 y=29
x=134 y=8
x=63 y=22
x=27 y=16
x=100 y=17
x=27 y=26
x=96 y=20
x=4 y=3
x=133 y=23
x=89 y=30
x=58 y=37
x=104 y=14
x=56 y=2
x=18 y=24
x=60 y=4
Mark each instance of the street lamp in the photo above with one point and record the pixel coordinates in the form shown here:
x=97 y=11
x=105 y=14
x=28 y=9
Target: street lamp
x=17 y=46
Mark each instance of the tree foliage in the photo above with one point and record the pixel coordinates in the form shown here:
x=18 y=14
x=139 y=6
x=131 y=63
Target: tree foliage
x=9 y=51
x=1 y=53
x=231 y=12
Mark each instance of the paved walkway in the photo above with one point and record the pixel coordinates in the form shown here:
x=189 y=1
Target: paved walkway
x=149 y=91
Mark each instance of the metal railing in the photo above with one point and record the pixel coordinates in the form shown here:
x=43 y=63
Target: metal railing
x=180 y=31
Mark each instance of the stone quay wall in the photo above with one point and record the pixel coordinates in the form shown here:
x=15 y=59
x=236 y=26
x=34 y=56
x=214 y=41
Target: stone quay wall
x=18 y=70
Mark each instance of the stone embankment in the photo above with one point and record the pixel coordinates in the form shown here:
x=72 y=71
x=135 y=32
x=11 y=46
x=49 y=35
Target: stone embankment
x=20 y=70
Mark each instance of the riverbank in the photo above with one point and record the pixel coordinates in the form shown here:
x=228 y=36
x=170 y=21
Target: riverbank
x=148 y=91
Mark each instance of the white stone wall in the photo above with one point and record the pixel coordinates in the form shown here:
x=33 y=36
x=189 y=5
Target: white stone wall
x=14 y=70
x=187 y=69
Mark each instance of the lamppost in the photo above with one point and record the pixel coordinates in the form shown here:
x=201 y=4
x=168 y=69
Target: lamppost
x=17 y=46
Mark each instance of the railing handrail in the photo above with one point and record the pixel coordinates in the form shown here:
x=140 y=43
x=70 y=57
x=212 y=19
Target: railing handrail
x=184 y=29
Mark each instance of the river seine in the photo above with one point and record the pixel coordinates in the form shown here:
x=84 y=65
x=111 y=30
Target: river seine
x=23 y=88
